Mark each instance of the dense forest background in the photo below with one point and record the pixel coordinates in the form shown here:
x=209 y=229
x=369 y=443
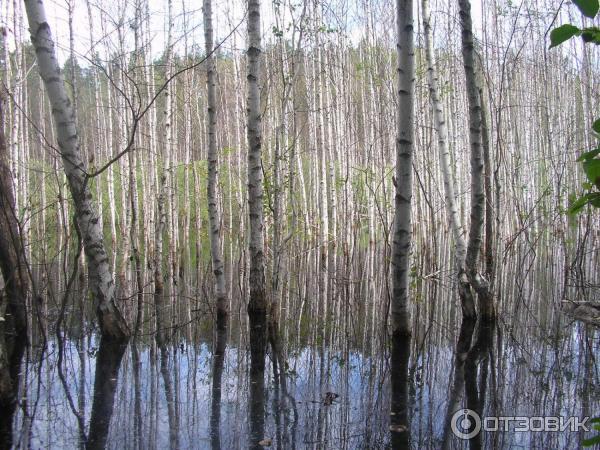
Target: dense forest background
x=329 y=106
x=329 y=142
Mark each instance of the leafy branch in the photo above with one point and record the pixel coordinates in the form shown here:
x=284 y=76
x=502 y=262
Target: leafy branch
x=589 y=160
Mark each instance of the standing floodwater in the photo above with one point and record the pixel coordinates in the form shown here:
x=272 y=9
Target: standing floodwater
x=334 y=395
x=299 y=224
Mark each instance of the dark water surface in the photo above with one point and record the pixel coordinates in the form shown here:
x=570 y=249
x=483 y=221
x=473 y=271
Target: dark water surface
x=317 y=396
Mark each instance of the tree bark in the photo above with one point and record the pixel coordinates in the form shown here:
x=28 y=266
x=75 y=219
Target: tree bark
x=458 y=233
x=401 y=239
x=481 y=285
x=489 y=199
x=12 y=258
x=13 y=333
x=213 y=168
x=258 y=302
x=112 y=323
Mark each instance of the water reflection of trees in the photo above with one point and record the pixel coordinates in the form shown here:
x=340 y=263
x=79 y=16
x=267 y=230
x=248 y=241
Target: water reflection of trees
x=256 y=401
x=108 y=362
x=472 y=362
x=218 y=388
x=400 y=417
x=218 y=363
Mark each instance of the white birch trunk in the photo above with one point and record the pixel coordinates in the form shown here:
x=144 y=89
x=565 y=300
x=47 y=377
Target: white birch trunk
x=458 y=233
x=480 y=284
x=101 y=281
x=401 y=235
x=258 y=303
x=213 y=169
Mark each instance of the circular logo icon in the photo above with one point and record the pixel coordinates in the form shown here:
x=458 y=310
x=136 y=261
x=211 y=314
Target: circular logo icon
x=464 y=420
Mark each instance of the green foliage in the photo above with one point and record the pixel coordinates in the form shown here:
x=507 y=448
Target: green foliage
x=592 y=170
x=563 y=33
x=589 y=160
x=588 y=8
x=591 y=198
x=591 y=34
x=594 y=439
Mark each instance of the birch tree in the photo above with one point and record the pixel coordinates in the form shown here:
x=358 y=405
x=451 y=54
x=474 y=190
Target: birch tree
x=213 y=168
x=112 y=323
x=13 y=333
x=480 y=284
x=12 y=257
x=258 y=303
x=401 y=238
x=460 y=245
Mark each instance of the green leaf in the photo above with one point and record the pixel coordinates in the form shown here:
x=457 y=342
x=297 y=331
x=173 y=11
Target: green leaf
x=591 y=34
x=578 y=204
x=582 y=201
x=595 y=200
x=592 y=170
x=562 y=34
x=592 y=198
x=596 y=126
x=588 y=8
x=589 y=155
x=591 y=441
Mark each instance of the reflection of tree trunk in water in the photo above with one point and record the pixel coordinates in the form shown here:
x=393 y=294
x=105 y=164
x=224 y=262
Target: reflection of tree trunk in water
x=399 y=419
x=275 y=342
x=159 y=310
x=462 y=349
x=108 y=361
x=588 y=377
x=217 y=373
x=477 y=358
x=281 y=397
x=164 y=365
x=164 y=370
x=278 y=409
x=257 y=379
x=137 y=418
x=9 y=387
x=82 y=353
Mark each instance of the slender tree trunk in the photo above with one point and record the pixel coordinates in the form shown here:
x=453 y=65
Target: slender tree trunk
x=489 y=199
x=112 y=323
x=480 y=284
x=258 y=302
x=161 y=218
x=12 y=258
x=13 y=333
x=401 y=239
x=460 y=246
x=213 y=168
